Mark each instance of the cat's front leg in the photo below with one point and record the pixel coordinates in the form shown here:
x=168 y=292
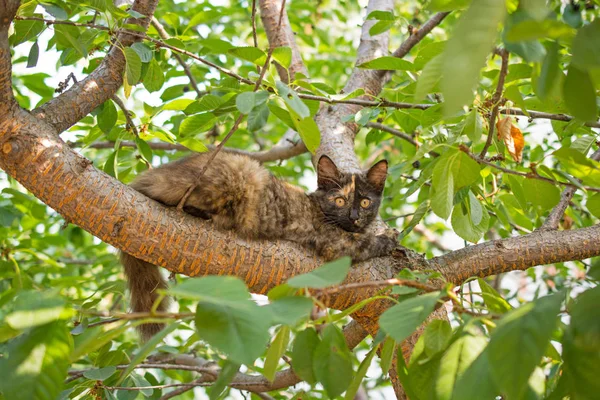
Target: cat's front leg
x=358 y=246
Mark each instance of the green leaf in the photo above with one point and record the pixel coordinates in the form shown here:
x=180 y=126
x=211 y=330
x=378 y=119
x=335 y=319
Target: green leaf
x=194 y=144
x=275 y=352
x=528 y=329
x=381 y=15
x=226 y=376
x=154 y=78
x=226 y=318
x=303 y=351
x=329 y=274
x=258 y=117
x=581 y=346
x=578 y=165
x=37 y=363
x=133 y=68
x=177 y=105
x=56 y=11
x=69 y=37
x=34 y=54
x=530 y=50
x=579 y=94
x=526 y=29
x=107 y=118
x=416 y=218
x=387 y=352
x=437 y=336
x=447 y=5
x=467 y=50
x=248 y=53
x=380 y=27
x=100 y=374
x=309 y=132
x=593 y=204
x=283 y=56
x=292 y=101
x=211 y=288
x=360 y=374
x=388 y=63
x=455 y=361
x=464 y=220
x=33 y=308
x=196 y=123
x=550 y=72
x=476 y=382
x=290 y=310
x=443 y=184
x=431 y=75
x=143 y=51
x=583 y=144
x=25 y=30
x=586 y=52
x=541 y=193
x=402 y=319
x=333 y=362
x=245 y=102
x=146 y=349
x=473 y=127
x=492 y=299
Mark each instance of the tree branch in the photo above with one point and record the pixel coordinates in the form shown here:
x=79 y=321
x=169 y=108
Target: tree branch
x=530 y=175
x=280 y=34
x=65 y=110
x=279 y=152
x=518 y=253
x=496 y=101
x=186 y=68
x=8 y=10
x=557 y=213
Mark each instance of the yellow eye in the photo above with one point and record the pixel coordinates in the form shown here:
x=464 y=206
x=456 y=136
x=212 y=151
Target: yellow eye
x=364 y=203
x=340 y=202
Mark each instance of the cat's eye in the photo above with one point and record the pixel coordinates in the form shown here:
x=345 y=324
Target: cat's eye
x=340 y=202
x=364 y=203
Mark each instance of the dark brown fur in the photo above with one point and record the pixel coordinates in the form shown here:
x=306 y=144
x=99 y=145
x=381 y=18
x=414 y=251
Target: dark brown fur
x=237 y=193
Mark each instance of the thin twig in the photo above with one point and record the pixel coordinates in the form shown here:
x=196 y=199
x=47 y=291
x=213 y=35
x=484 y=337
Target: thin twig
x=358 y=101
x=524 y=174
x=127 y=113
x=254 y=37
x=376 y=284
x=557 y=213
x=496 y=100
x=163 y=34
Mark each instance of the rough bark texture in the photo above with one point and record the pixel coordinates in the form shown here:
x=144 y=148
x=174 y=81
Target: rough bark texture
x=100 y=85
x=32 y=153
x=281 y=35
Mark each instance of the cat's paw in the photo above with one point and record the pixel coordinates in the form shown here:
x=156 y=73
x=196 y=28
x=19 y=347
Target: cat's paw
x=388 y=241
x=392 y=233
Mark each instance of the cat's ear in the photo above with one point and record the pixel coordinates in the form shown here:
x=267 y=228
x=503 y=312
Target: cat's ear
x=377 y=174
x=328 y=175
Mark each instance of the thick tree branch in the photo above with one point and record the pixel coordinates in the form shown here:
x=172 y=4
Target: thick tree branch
x=65 y=110
x=518 y=253
x=280 y=34
x=8 y=10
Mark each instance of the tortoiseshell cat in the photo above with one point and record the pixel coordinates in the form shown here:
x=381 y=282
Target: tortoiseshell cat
x=238 y=193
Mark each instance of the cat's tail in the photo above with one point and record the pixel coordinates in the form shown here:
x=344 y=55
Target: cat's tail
x=143 y=280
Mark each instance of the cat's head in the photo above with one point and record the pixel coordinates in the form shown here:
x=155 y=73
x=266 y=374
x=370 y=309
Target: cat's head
x=350 y=201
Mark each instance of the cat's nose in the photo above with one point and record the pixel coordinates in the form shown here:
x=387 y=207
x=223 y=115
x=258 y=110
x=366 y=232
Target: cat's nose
x=353 y=215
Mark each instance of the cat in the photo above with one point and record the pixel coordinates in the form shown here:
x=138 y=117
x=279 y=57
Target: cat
x=239 y=194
